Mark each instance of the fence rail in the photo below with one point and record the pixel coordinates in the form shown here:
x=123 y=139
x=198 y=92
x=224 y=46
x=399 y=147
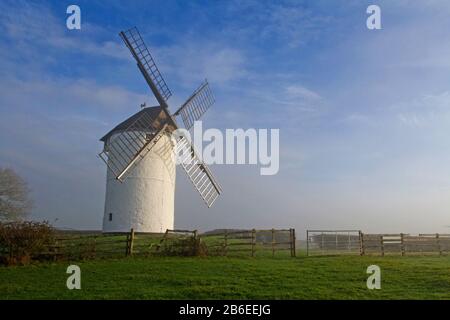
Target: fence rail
x=354 y=241
x=81 y=245
x=250 y=242
x=406 y=244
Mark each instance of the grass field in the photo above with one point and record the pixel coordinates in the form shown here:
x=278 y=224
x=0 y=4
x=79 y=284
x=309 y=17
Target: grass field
x=342 y=277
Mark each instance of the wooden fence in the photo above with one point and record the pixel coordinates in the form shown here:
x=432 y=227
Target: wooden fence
x=269 y=242
x=338 y=242
x=180 y=243
x=85 y=245
x=89 y=245
x=75 y=246
x=250 y=242
x=404 y=244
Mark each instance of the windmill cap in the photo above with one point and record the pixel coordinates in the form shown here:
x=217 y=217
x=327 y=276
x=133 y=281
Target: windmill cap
x=153 y=112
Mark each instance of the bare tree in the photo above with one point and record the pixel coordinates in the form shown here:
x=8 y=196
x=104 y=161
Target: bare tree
x=15 y=202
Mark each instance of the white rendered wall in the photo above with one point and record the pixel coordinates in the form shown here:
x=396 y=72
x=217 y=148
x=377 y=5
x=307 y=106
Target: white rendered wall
x=145 y=200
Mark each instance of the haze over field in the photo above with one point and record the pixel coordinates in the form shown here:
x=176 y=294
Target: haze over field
x=364 y=115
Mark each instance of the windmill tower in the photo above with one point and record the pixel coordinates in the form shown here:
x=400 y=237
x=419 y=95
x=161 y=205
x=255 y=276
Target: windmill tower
x=141 y=152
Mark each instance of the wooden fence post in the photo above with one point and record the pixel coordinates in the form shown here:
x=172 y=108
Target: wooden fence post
x=290 y=240
x=130 y=241
x=382 y=245
x=273 y=242
x=95 y=247
x=402 y=244
x=226 y=242
x=438 y=244
x=322 y=243
x=163 y=239
x=253 y=241
x=195 y=243
x=293 y=243
x=56 y=250
x=307 y=243
x=349 y=242
x=336 y=241
x=361 y=243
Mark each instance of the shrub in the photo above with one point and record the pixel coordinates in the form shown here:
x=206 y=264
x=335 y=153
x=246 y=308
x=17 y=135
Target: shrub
x=191 y=246
x=22 y=241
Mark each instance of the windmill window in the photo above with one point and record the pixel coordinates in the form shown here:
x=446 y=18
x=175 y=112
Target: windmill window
x=110 y=217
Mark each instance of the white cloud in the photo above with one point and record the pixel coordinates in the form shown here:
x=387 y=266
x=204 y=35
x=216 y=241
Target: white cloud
x=291 y=23
x=431 y=110
x=29 y=25
x=295 y=24
x=73 y=96
x=410 y=120
x=302 y=93
x=299 y=101
x=193 y=60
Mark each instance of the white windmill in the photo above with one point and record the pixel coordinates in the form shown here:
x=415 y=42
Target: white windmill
x=141 y=155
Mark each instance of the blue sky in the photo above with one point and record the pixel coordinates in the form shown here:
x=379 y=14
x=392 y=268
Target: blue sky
x=364 y=116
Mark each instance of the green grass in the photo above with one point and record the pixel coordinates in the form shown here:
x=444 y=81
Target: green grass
x=341 y=277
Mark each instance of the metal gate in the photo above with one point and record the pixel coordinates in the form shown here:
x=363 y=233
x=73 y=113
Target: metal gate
x=333 y=242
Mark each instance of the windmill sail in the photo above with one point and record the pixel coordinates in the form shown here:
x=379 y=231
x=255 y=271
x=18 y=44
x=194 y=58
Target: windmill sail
x=146 y=64
x=196 y=105
x=129 y=146
x=199 y=174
